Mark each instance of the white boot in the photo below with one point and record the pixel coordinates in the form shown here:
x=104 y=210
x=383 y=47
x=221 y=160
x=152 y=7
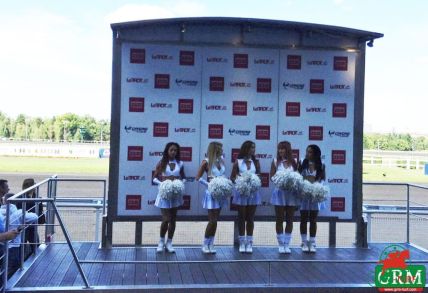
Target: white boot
x=242 y=243
x=205 y=246
x=280 y=238
x=304 y=244
x=312 y=246
x=169 y=247
x=211 y=245
x=249 y=246
x=287 y=239
x=161 y=245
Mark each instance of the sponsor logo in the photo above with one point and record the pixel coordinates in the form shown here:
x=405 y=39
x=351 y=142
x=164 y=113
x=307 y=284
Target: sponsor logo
x=160 y=105
x=184 y=130
x=185 y=106
x=316 y=86
x=340 y=87
x=316 y=63
x=263 y=132
x=134 y=177
x=339 y=110
x=233 y=131
x=315 y=109
x=294 y=86
x=239 y=108
x=337 y=204
x=338 y=157
x=216 y=83
x=182 y=82
x=155 y=154
x=292 y=132
x=215 y=131
x=160 y=129
x=264 y=61
x=186 y=154
x=215 y=107
x=294 y=62
x=186 y=203
x=264 y=178
x=216 y=60
x=133 y=202
x=240 y=84
x=262 y=109
x=130 y=129
x=263 y=156
x=315 y=132
x=137 y=80
x=240 y=60
x=292 y=109
x=339 y=133
x=135 y=153
x=161 y=57
x=234 y=155
x=264 y=85
x=187 y=58
x=161 y=81
x=338 y=180
x=136 y=104
x=296 y=155
x=137 y=56
x=340 y=63
x=152 y=201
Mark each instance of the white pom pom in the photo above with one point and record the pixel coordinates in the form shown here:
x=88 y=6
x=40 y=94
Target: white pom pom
x=220 y=188
x=288 y=180
x=170 y=190
x=247 y=184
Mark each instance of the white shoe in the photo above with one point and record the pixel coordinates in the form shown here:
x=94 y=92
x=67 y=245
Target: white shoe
x=312 y=247
x=169 y=247
x=160 y=247
x=205 y=249
x=212 y=249
x=242 y=247
x=249 y=248
x=281 y=249
x=305 y=247
x=287 y=249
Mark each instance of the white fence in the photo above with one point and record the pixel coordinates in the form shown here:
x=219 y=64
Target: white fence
x=408 y=160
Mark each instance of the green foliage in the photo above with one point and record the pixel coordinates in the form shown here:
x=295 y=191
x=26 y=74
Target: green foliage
x=395 y=142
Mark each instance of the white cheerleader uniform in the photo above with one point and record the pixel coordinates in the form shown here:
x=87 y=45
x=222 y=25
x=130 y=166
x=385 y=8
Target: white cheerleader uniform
x=254 y=198
x=173 y=203
x=209 y=202
x=308 y=204
x=282 y=197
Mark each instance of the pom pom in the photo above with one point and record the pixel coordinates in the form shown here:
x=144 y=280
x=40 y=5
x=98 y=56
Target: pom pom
x=170 y=190
x=315 y=192
x=247 y=184
x=288 y=180
x=220 y=188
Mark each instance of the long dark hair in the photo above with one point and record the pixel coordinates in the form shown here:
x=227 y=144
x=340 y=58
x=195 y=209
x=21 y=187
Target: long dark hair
x=319 y=167
x=288 y=153
x=245 y=150
x=165 y=158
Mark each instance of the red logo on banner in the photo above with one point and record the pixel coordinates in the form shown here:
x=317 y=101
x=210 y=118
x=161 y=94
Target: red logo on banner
x=239 y=108
x=135 y=153
x=240 y=60
x=264 y=178
x=292 y=109
x=234 y=156
x=316 y=86
x=186 y=203
x=263 y=132
x=186 y=154
x=137 y=56
x=294 y=62
x=337 y=204
x=161 y=81
x=264 y=85
x=340 y=63
x=187 y=58
x=185 y=106
x=315 y=133
x=215 y=130
x=133 y=202
x=160 y=129
x=339 y=110
x=136 y=104
x=338 y=157
x=216 y=83
x=296 y=155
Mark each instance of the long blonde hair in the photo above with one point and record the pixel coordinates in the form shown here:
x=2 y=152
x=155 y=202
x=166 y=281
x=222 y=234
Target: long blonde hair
x=213 y=154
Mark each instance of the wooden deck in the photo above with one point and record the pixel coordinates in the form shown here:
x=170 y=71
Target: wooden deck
x=329 y=270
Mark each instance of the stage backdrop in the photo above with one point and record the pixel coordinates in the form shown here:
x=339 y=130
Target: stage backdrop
x=194 y=95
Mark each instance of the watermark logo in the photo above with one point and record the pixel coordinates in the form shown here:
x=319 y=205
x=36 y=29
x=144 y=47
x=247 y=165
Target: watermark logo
x=394 y=275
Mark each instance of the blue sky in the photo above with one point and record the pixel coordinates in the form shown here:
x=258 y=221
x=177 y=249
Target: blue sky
x=55 y=56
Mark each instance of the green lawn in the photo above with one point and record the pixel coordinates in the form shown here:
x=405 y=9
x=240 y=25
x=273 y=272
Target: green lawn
x=393 y=174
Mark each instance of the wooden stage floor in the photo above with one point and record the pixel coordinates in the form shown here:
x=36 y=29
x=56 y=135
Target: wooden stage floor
x=329 y=270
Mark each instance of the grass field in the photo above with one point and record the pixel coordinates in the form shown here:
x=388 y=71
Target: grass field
x=96 y=166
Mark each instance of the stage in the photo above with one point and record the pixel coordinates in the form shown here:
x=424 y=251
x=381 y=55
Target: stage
x=329 y=270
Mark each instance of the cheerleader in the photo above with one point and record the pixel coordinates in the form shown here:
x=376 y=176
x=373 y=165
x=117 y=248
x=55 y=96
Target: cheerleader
x=285 y=202
x=169 y=167
x=313 y=170
x=246 y=162
x=213 y=165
